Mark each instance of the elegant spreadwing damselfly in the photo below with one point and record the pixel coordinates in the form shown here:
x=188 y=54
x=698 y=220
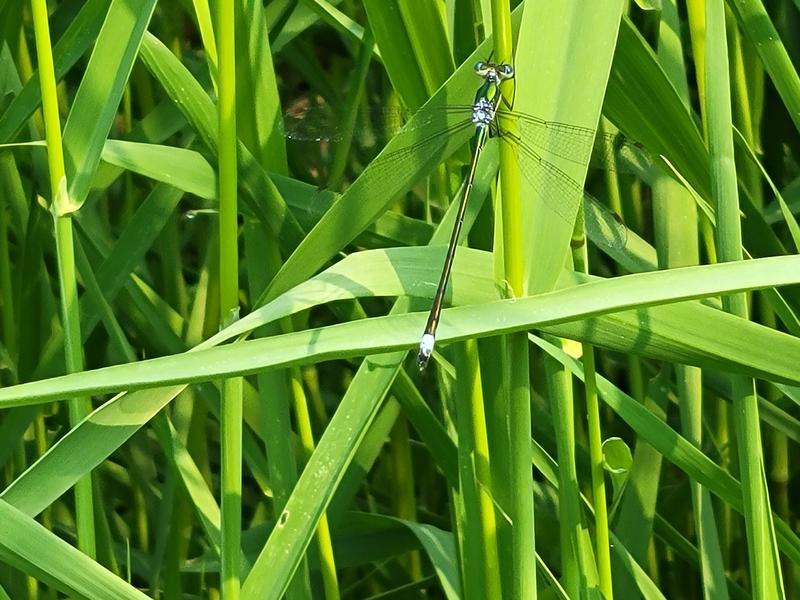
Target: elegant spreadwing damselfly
x=532 y=138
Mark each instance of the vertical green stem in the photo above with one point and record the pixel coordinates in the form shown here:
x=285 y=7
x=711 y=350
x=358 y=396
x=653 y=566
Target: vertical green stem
x=696 y=17
x=231 y=409
x=70 y=310
x=472 y=430
x=779 y=482
x=469 y=517
x=330 y=581
x=516 y=356
x=9 y=327
x=764 y=567
x=559 y=390
x=599 y=501
x=509 y=169
x=275 y=394
x=404 y=501
x=676 y=225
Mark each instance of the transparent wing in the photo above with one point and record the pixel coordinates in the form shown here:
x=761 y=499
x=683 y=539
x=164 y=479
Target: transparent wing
x=311 y=123
x=411 y=157
x=428 y=138
x=603 y=225
x=609 y=151
x=560 y=192
x=320 y=122
x=563 y=195
x=426 y=143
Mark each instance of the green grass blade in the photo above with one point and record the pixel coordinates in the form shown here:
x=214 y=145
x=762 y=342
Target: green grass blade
x=756 y=23
x=762 y=551
x=66 y=52
x=767 y=353
x=62 y=566
x=300 y=515
x=552 y=36
x=92 y=113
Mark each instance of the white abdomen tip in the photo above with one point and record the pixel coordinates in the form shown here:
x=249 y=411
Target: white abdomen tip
x=425 y=350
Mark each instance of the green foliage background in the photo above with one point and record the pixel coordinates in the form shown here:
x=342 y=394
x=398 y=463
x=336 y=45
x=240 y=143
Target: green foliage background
x=186 y=293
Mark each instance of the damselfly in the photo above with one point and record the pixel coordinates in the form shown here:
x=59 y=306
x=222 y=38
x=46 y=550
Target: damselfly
x=530 y=136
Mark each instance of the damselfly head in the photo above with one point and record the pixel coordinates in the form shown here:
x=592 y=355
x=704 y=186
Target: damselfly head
x=494 y=73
